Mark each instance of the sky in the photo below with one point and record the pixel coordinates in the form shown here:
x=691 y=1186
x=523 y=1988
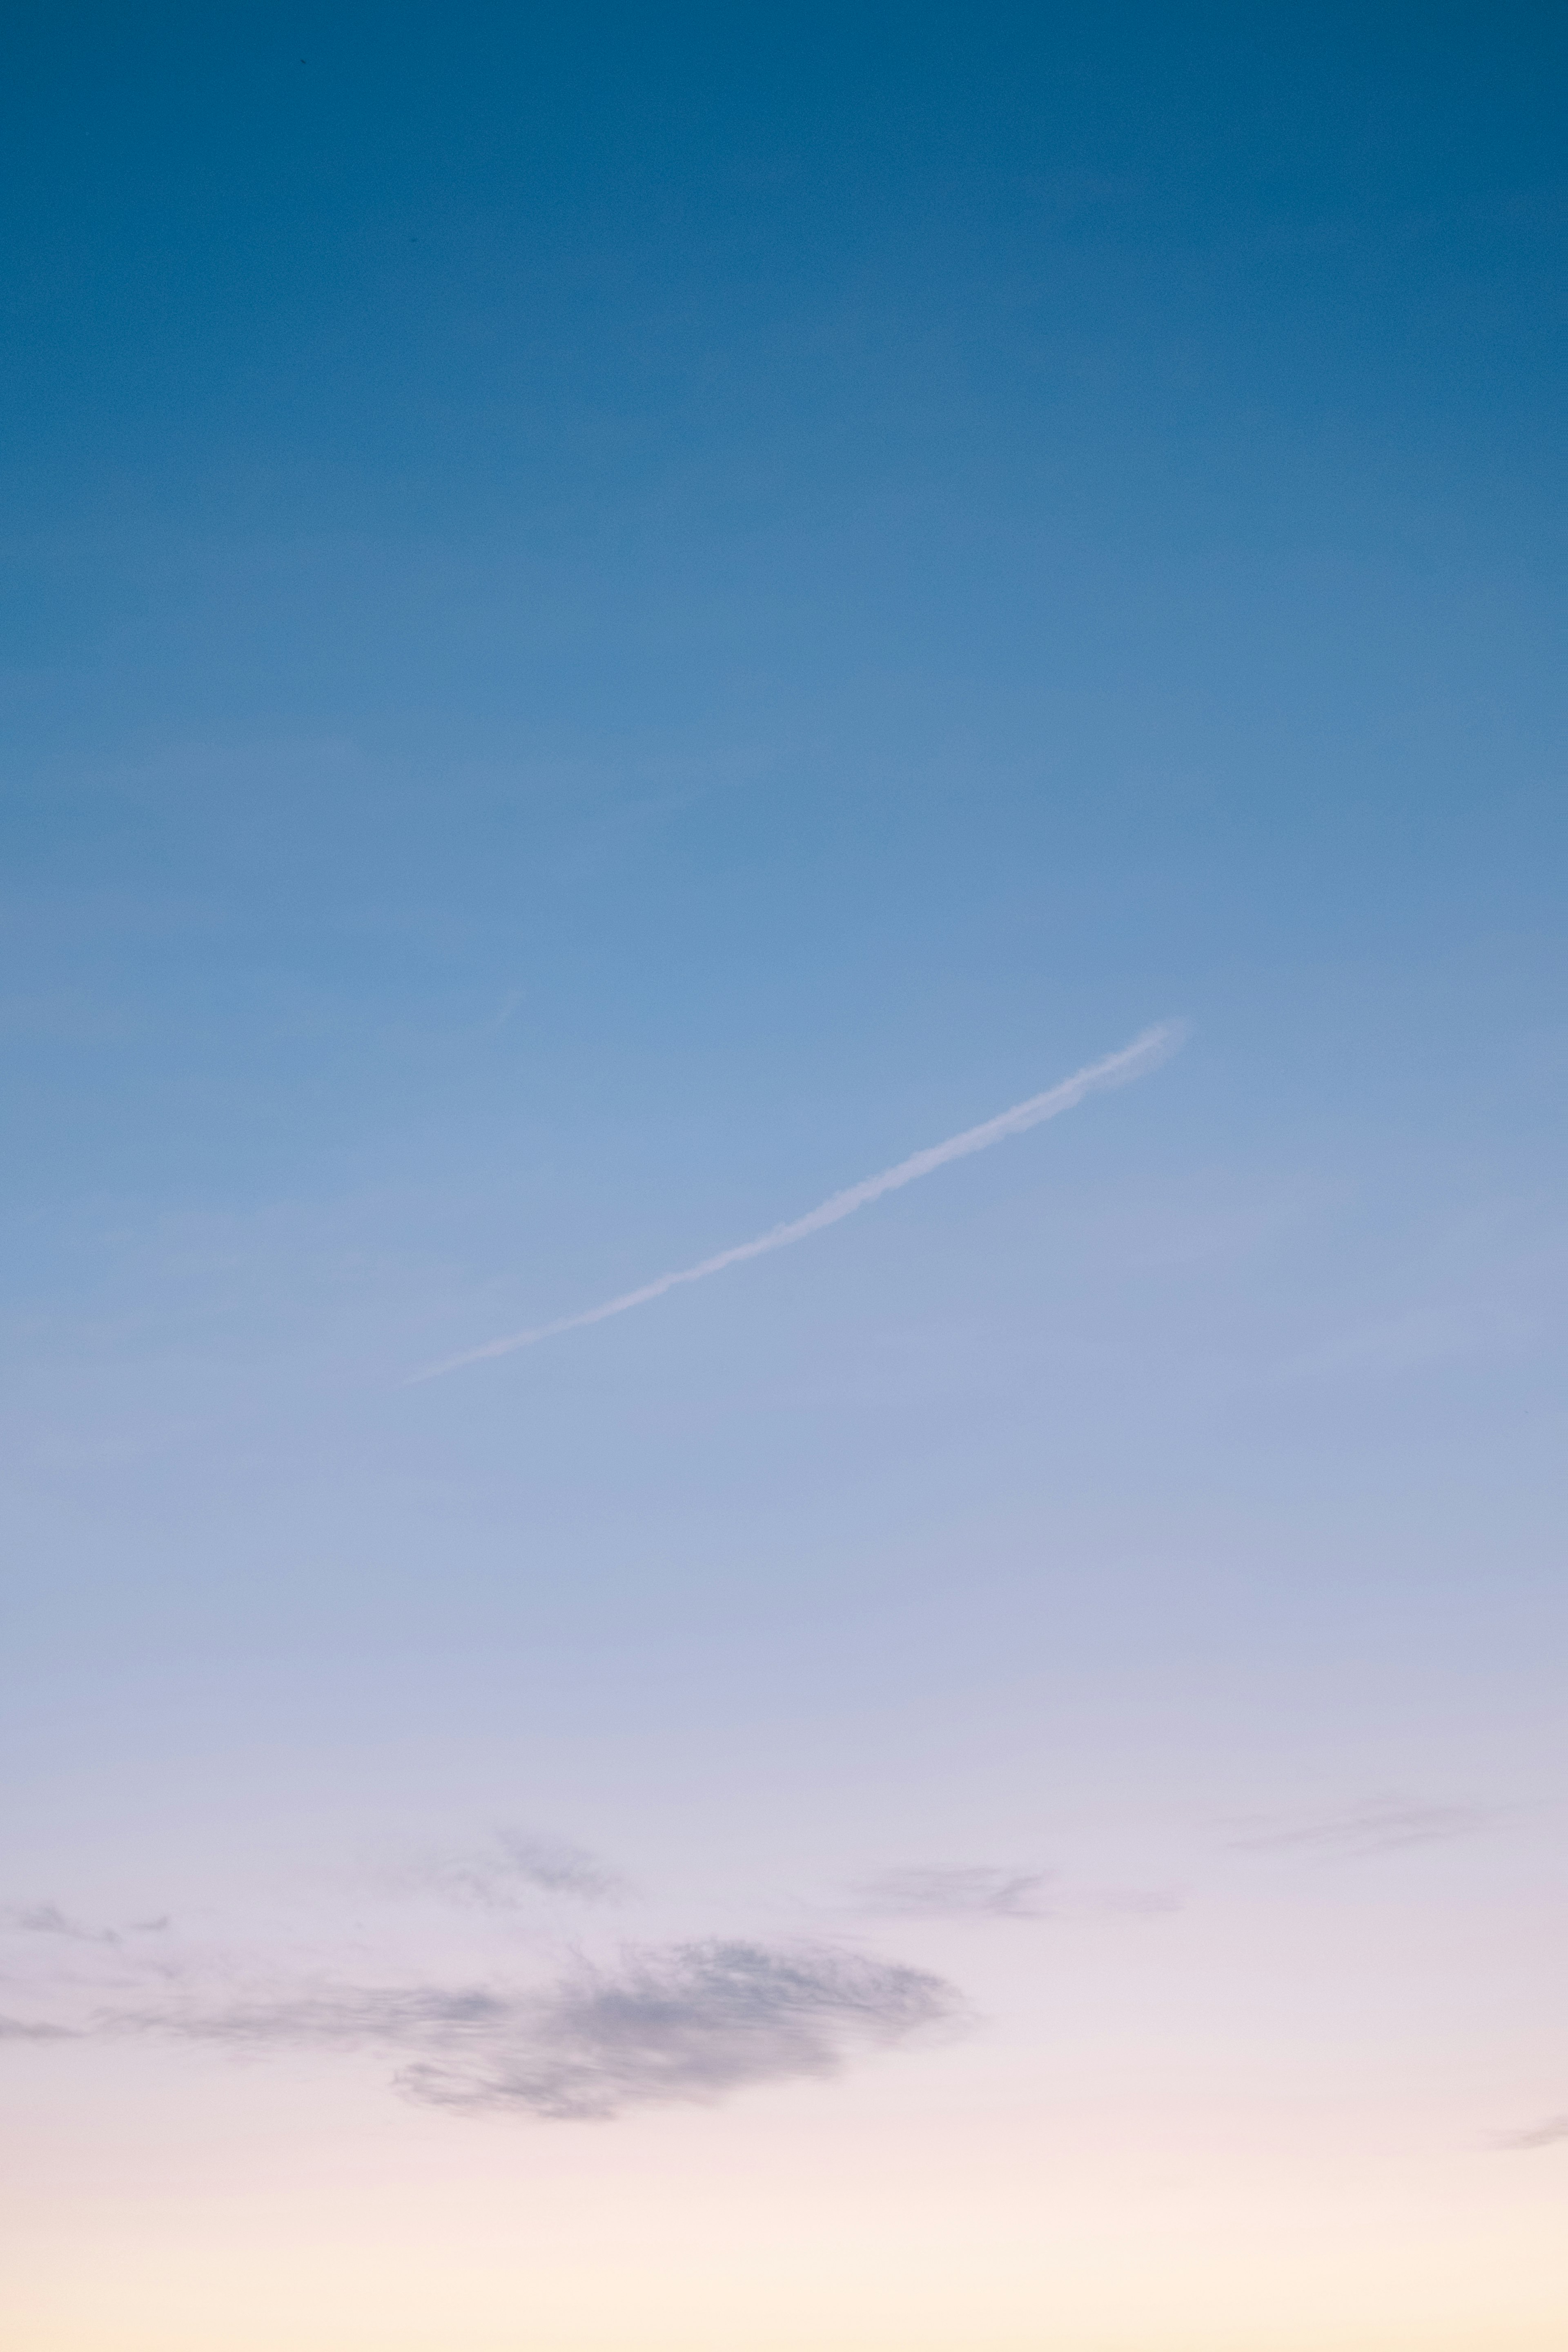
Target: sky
x=620 y=626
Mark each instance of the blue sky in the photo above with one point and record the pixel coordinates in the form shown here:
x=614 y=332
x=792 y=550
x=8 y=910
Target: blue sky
x=612 y=623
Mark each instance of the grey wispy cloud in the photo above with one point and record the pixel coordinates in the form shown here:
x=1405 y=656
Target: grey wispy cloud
x=686 y=2022
x=1380 y=1825
x=990 y=1891
x=1549 y=2134
x=518 y=1866
x=28 y=2028
x=968 y=1891
x=49 y=1920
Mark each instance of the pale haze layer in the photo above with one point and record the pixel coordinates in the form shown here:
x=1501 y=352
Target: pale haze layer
x=612 y=621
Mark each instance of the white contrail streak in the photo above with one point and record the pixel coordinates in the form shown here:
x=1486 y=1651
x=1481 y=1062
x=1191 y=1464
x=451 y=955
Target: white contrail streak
x=1145 y=1053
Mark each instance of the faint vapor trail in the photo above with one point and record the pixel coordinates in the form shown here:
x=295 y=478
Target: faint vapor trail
x=1145 y=1053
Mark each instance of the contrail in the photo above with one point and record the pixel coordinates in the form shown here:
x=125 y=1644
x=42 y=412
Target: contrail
x=1145 y=1053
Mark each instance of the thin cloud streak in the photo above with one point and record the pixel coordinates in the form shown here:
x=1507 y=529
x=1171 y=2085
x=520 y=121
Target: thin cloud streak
x=1135 y=1061
x=985 y=1891
x=1383 y=1825
x=973 y=1891
x=517 y=1867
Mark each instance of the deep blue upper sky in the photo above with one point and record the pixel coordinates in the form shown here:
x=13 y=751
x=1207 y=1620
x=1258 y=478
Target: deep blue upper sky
x=932 y=479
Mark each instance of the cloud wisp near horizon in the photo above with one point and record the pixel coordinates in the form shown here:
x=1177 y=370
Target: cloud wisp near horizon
x=496 y=2007
x=576 y=2032
x=680 y=2021
x=1147 y=1051
x=672 y=2024
x=1549 y=2134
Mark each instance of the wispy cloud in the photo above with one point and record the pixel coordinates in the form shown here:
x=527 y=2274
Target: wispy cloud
x=1380 y=1825
x=591 y=2036
x=1549 y=2134
x=518 y=1866
x=687 y=2022
x=49 y=1920
x=1145 y=1053
x=990 y=1891
x=970 y=1891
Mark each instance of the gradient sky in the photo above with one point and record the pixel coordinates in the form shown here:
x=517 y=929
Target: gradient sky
x=617 y=619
